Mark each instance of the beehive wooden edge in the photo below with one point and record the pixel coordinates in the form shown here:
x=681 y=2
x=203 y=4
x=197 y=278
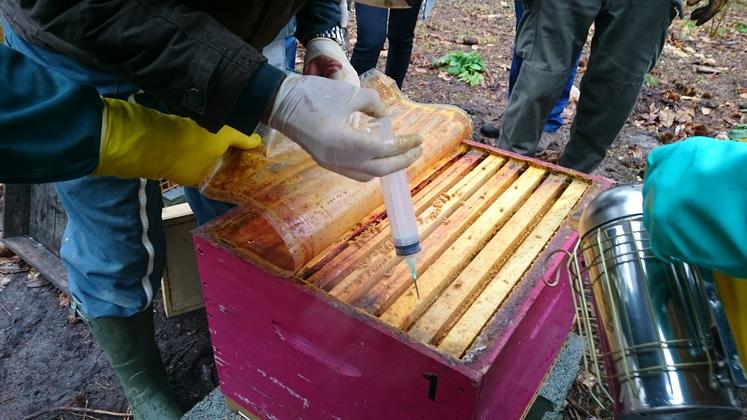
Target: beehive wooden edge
x=503 y=323
x=497 y=331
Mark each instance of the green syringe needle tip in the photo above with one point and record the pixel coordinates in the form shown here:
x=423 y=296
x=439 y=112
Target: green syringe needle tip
x=414 y=273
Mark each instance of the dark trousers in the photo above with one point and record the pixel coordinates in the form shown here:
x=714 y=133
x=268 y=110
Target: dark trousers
x=373 y=30
x=629 y=36
x=555 y=119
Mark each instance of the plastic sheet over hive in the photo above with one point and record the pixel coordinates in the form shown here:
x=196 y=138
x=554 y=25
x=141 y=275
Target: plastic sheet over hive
x=292 y=209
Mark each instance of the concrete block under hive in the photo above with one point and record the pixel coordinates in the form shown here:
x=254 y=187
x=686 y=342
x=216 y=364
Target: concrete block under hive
x=344 y=336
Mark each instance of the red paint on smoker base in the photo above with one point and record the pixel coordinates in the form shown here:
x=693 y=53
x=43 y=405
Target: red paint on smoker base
x=285 y=350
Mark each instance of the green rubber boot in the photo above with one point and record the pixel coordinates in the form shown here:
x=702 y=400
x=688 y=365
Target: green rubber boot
x=129 y=344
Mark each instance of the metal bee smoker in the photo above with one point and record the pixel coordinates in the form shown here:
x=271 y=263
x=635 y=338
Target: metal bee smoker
x=665 y=347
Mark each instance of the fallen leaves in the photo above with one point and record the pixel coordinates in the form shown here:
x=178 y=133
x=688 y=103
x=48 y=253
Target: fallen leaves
x=63 y=301
x=470 y=40
x=4 y=250
x=574 y=94
x=13 y=265
x=705 y=69
x=672 y=50
x=4 y=281
x=35 y=279
x=666 y=117
x=671 y=95
x=684 y=115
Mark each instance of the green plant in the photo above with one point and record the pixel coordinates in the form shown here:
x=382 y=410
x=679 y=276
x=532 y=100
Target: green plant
x=742 y=28
x=690 y=25
x=649 y=80
x=468 y=67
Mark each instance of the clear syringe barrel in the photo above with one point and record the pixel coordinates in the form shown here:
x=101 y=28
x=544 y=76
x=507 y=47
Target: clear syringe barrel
x=399 y=208
x=401 y=213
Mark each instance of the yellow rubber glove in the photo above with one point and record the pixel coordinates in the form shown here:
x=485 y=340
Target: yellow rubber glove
x=733 y=293
x=138 y=142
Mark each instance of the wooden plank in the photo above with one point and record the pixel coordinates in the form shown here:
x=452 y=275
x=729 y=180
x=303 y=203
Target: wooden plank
x=38 y=228
x=470 y=282
x=468 y=327
x=175 y=211
x=391 y=286
x=409 y=306
x=60 y=223
x=16 y=209
x=341 y=265
x=181 y=287
x=47 y=217
x=456 y=172
x=372 y=262
x=49 y=265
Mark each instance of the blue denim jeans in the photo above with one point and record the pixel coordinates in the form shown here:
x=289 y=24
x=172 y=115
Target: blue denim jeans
x=113 y=246
x=555 y=119
x=375 y=25
x=290 y=53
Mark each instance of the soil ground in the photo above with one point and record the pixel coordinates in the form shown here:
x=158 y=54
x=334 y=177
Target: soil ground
x=49 y=360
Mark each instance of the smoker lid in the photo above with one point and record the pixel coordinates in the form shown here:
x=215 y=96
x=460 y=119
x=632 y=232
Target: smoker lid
x=616 y=203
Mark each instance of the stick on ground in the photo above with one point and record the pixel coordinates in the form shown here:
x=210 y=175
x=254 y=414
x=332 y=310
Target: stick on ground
x=78 y=410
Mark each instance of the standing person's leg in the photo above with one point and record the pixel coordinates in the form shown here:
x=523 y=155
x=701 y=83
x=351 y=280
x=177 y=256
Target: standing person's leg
x=549 y=38
x=114 y=252
x=401 y=34
x=516 y=61
x=290 y=46
x=114 y=249
x=290 y=53
x=371 y=32
x=555 y=119
x=627 y=42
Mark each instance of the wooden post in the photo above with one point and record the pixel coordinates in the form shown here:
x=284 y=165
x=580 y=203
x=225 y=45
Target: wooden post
x=16 y=210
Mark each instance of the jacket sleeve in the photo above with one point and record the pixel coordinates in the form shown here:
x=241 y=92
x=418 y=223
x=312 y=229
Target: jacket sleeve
x=317 y=16
x=695 y=203
x=180 y=55
x=41 y=140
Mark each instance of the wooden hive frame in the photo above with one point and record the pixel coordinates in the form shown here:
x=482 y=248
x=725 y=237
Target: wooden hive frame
x=483 y=221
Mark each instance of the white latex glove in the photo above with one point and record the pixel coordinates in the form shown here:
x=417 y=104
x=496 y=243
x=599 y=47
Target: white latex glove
x=314 y=112
x=324 y=57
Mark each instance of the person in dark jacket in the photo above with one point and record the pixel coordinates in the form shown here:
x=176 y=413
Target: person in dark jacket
x=200 y=59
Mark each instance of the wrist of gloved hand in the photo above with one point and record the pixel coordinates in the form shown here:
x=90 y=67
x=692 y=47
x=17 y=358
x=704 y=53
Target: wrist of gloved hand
x=315 y=113
x=138 y=142
x=703 y=14
x=325 y=58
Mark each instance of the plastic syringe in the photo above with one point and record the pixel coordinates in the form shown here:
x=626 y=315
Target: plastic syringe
x=400 y=212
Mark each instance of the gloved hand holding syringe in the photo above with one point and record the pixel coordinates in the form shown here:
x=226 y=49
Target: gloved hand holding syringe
x=399 y=208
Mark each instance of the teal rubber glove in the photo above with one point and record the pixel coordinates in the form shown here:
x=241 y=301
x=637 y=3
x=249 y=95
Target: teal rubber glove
x=695 y=203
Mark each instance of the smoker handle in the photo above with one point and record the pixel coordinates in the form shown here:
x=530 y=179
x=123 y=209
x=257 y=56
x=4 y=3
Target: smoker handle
x=728 y=344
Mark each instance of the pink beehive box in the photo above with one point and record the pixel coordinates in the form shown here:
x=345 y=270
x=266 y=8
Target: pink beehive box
x=312 y=316
x=337 y=342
